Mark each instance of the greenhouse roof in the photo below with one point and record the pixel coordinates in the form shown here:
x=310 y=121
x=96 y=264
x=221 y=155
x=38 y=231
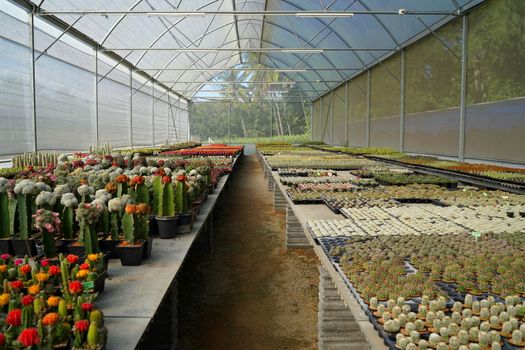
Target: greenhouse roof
x=316 y=43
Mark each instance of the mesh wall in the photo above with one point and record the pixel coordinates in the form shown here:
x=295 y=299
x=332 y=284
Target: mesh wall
x=316 y=121
x=326 y=119
x=357 y=110
x=339 y=116
x=432 y=92
x=161 y=120
x=385 y=103
x=495 y=117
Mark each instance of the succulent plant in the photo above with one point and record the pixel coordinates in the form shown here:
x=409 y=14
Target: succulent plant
x=476 y=307
x=373 y=303
x=391 y=326
x=411 y=346
x=494 y=321
x=414 y=336
x=456 y=317
x=402 y=342
x=484 y=313
x=484 y=326
x=474 y=346
x=517 y=337
x=494 y=336
x=468 y=300
x=453 y=329
x=495 y=346
x=434 y=339
x=445 y=333
x=463 y=337
x=454 y=343
x=484 y=339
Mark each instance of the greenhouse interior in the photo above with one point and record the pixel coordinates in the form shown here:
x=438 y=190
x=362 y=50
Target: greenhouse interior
x=262 y=174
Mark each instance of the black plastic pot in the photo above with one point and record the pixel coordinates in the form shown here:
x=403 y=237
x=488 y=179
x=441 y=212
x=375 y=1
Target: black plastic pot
x=148 y=245
x=109 y=245
x=210 y=189
x=131 y=255
x=6 y=247
x=153 y=226
x=510 y=214
x=78 y=250
x=184 y=224
x=23 y=247
x=167 y=226
x=522 y=214
x=64 y=247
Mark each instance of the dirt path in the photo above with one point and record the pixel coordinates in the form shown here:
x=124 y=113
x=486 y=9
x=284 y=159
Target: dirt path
x=250 y=293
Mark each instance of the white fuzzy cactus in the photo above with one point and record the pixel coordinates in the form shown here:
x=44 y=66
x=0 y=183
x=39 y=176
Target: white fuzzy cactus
x=463 y=337
x=434 y=339
x=454 y=343
x=69 y=200
x=46 y=198
x=468 y=300
x=517 y=336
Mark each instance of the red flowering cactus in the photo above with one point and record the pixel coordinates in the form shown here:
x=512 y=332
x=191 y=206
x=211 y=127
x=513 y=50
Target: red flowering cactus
x=75 y=287
x=84 y=266
x=54 y=270
x=137 y=180
x=87 y=307
x=82 y=326
x=16 y=284
x=72 y=259
x=166 y=179
x=29 y=337
x=14 y=318
x=27 y=300
x=25 y=269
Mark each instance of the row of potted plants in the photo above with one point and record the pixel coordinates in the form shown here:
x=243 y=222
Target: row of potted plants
x=208 y=150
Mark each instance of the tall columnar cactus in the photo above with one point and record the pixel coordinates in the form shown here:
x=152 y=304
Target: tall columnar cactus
x=181 y=193
x=4 y=209
x=128 y=224
x=115 y=207
x=87 y=216
x=163 y=196
x=48 y=223
x=69 y=202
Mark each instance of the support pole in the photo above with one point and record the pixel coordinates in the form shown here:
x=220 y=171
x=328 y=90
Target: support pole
x=229 y=122
x=321 y=119
x=402 y=112
x=33 y=81
x=368 y=107
x=463 y=107
x=312 y=121
x=346 y=114
x=152 y=113
x=332 y=117
x=131 y=108
x=97 y=137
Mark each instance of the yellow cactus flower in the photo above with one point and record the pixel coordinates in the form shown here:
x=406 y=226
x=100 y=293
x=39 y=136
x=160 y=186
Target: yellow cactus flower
x=93 y=257
x=53 y=301
x=4 y=299
x=3 y=268
x=42 y=276
x=34 y=289
x=82 y=274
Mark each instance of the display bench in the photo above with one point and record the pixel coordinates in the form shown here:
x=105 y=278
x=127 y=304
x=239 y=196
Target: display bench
x=136 y=296
x=342 y=323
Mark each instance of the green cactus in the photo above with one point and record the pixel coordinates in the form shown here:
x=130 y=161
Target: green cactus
x=128 y=227
x=62 y=308
x=13 y=203
x=27 y=316
x=181 y=197
x=167 y=204
x=90 y=240
x=67 y=222
x=157 y=194
x=24 y=216
x=92 y=335
x=48 y=240
x=64 y=270
x=4 y=216
x=141 y=226
x=122 y=188
x=96 y=317
x=114 y=226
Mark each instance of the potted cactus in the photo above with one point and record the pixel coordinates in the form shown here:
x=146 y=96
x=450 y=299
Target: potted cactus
x=48 y=223
x=5 y=229
x=164 y=202
x=87 y=216
x=182 y=205
x=141 y=196
x=26 y=190
x=131 y=249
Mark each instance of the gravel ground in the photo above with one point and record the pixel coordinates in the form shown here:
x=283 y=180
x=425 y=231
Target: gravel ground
x=250 y=293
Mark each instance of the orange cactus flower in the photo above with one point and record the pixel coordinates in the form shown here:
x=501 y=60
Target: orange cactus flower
x=53 y=301
x=122 y=178
x=42 y=276
x=4 y=299
x=111 y=187
x=3 y=268
x=34 y=289
x=131 y=208
x=93 y=257
x=82 y=274
x=25 y=269
x=50 y=319
x=142 y=208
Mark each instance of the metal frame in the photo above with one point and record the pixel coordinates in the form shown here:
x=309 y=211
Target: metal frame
x=463 y=107
x=402 y=104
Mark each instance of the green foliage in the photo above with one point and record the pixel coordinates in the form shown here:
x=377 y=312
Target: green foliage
x=4 y=215
x=34 y=159
x=114 y=226
x=181 y=197
x=128 y=228
x=141 y=194
x=13 y=204
x=294 y=139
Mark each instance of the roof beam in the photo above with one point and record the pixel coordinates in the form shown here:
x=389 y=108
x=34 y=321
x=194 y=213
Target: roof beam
x=292 y=50
x=306 y=14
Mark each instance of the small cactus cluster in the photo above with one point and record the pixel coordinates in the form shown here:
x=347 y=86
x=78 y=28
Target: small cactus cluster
x=458 y=327
x=34 y=159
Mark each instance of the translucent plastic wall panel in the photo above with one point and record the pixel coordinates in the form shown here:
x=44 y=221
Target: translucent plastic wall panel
x=161 y=121
x=113 y=104
x=113 y=113
x=385 y=102
x=432 y=92
x=65 y=95
x=339 y=116
x=16 y=112
x=357 y=110
x=495 y=118
x=142 y=112
x=316 y=121
x=326 y=119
